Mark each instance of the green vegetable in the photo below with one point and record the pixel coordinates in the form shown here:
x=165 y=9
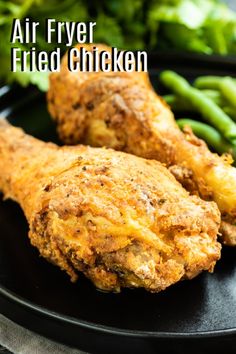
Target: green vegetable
x=216 y=92
x=185 y=38
x=231 y=111
x=209 y=82
x=178 y=104
x=209 y=110
x=210 y=135
x=228 y=89
x=215 y=96
x=217 y=40
x=204 y=26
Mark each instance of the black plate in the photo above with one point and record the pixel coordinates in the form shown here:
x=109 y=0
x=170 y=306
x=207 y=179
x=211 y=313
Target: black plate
x=197 y=315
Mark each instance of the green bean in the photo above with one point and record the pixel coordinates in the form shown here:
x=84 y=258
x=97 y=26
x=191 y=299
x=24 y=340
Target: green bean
x=213 y=94
x=178 y=104
x=231 y=111
x=228 y=89
x=208 y=109
x=226 y=85
x=170 y=99
x=209 y=82
x=211 y=136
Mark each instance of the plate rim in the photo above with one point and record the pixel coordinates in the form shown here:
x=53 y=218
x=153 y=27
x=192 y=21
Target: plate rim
x=103 y=329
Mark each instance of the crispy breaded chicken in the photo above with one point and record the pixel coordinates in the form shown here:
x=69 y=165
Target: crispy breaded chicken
x=121 y=220
x=121 y=111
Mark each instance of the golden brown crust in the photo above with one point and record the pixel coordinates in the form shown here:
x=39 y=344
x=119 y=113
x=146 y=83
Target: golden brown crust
x=121 y=111
x=119 y=219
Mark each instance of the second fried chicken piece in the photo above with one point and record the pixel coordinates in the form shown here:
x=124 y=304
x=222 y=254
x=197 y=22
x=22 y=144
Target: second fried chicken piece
x=121 y=111
x=121 y=220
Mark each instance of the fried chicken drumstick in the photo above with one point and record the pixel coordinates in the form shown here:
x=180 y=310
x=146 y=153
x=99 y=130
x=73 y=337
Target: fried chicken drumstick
x=121 y=111
x=121 y=220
